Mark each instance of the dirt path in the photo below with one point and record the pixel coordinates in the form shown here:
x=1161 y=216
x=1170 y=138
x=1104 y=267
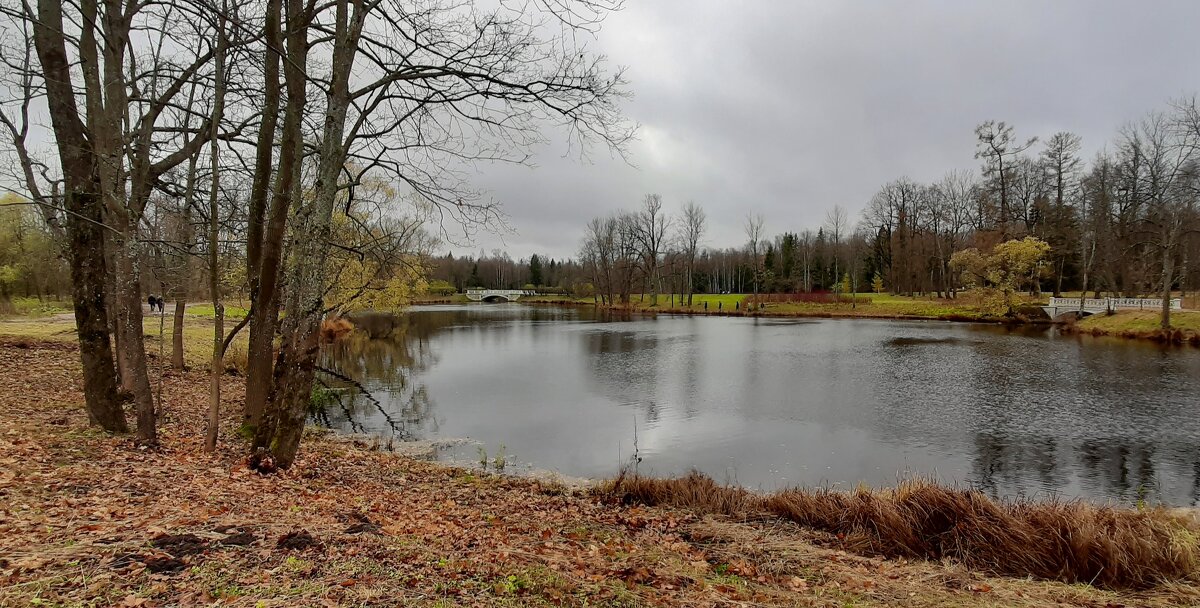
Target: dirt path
x=87 y=519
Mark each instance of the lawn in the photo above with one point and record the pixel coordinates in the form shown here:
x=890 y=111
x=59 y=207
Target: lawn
x=35 y=307
x=197 y=334
x=197 y=340
x=232 y=310
x=885 y=306
x=870 y=305
x=41 y=328
x=725 y=301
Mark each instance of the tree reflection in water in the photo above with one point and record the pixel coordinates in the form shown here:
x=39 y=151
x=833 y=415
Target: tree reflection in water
x=361 y=370
x=1124 y=470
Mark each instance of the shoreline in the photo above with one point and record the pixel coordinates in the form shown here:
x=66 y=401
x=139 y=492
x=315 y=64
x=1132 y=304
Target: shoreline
x=1180 y=337
x=766 y=312
x=1172 y=337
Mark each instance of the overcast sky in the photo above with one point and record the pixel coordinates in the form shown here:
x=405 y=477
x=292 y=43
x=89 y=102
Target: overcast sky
x=788 y=108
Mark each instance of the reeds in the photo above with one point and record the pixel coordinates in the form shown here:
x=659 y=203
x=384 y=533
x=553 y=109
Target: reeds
x=1068 y=541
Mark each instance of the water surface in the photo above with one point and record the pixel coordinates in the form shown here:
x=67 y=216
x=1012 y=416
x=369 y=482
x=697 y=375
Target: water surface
x=768 y=403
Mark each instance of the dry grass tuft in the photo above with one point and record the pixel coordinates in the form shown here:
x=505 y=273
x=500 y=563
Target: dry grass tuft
x=1074 y=542
x=694 y=491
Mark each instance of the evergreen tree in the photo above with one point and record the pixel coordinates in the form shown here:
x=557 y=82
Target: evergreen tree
x=535 y=269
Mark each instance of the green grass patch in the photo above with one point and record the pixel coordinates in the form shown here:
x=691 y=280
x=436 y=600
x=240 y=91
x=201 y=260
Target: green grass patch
x=41 y=329
x=34 y=307
x=894 y=306
x=205 y=311
x=197 y=341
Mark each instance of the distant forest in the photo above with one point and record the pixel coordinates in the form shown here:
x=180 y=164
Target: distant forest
x=1124 y=222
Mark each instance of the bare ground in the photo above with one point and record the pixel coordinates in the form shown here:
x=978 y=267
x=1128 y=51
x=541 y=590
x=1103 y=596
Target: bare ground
x=89 y=520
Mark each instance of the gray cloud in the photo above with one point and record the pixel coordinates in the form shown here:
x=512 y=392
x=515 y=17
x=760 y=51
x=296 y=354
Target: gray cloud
x=787 y=108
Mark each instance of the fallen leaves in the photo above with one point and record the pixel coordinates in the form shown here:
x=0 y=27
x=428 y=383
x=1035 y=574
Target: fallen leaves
x=297 y=540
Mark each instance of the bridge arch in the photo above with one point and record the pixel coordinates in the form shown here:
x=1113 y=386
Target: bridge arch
x=1073 y=314
x=496 y=295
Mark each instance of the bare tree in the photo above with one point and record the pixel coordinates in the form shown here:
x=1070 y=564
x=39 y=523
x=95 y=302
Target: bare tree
x=84 y=206
x=650 y=230
x=691 y=231
x=1095 y=215
x=894 y=211
x=999 y=150
x=836 y=222
x=627 y=255
x=136 y=61
x=268 y=210
x=1061 y=163
x=950 y=219
x=753 y=228
x=1167 y=179
x=596 y=254
x=420 y=80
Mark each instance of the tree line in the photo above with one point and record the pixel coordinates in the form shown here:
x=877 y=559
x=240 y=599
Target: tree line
x=497 y=270
x=291 y=152
x=1125 y=222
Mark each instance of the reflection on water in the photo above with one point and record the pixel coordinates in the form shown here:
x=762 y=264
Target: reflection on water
x=773 y=402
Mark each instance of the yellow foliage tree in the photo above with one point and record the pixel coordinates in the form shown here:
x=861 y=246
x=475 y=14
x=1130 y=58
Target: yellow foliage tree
x=1004 y=269
x=379 y=258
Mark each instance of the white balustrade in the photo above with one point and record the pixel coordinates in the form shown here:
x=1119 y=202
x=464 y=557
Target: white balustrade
x=1100 y=304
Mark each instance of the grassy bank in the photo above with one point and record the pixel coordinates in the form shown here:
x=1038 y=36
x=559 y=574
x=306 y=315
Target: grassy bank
x=90 y=520
x=1141 y=324
x=872 y=306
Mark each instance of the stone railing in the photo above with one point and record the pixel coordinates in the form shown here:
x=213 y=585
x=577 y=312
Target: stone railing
x=1114 y=303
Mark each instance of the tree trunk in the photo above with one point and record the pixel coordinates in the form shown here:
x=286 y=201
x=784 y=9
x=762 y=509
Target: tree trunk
x=1168 y=271
x=283 y=424
x=654 y=282
x=294 y=369
x=177 y=361
x=133 y=342
x=264 y=313
x=85 y=229
x=88 y=279
x=214 y=240
x=115 y=322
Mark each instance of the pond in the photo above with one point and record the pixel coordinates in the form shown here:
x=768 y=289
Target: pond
x=768 y=403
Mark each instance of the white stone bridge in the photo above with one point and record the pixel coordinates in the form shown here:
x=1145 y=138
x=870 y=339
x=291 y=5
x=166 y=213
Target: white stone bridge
x=1083 y=307
x=497 y=295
